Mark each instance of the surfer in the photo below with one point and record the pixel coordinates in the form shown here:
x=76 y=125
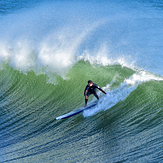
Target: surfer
x=91 y=89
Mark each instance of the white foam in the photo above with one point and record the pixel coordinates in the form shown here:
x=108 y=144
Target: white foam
x=103 y=57
x=142 y=76
x=4 y=55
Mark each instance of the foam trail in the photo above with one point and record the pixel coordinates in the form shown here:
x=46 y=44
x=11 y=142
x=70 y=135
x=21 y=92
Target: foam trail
x=121 y=93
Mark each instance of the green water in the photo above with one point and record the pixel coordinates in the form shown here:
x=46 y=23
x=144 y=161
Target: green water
x=30 y=104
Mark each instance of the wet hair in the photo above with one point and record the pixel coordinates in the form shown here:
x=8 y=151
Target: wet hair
x=90 y=81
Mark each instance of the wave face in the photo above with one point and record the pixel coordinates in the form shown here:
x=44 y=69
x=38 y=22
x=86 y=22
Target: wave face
x=48 y=52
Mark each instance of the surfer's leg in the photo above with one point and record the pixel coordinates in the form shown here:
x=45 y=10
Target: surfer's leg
x=95 y=94
x=86 y=98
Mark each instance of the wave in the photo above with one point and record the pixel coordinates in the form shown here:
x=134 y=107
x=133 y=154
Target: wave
x=117 y=80
x=30 y=104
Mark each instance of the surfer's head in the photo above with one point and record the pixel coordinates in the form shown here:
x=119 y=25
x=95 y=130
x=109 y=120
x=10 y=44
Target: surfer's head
x=90 y=83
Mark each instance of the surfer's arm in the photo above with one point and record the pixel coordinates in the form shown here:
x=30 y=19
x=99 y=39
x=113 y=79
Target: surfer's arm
x=101 y=90
x=85 y=92
x=86 y=97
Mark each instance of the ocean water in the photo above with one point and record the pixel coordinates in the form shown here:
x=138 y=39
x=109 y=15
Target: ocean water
x=48 y=52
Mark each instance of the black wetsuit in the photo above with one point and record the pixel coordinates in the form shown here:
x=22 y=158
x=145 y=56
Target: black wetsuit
x=92 y=90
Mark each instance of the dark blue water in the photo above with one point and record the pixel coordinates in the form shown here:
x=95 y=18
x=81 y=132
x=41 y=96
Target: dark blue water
x=48 y=52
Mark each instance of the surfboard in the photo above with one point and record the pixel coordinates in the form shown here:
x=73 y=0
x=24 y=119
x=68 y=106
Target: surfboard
x=77 y=111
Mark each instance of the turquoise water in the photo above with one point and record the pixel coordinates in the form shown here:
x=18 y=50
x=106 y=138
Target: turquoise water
x=48 y=52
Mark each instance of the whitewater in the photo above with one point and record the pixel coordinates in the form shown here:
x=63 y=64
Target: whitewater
x=48 y=52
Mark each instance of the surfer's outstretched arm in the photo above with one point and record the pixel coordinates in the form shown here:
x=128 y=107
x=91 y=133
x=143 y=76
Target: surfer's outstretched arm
x=102 y=91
